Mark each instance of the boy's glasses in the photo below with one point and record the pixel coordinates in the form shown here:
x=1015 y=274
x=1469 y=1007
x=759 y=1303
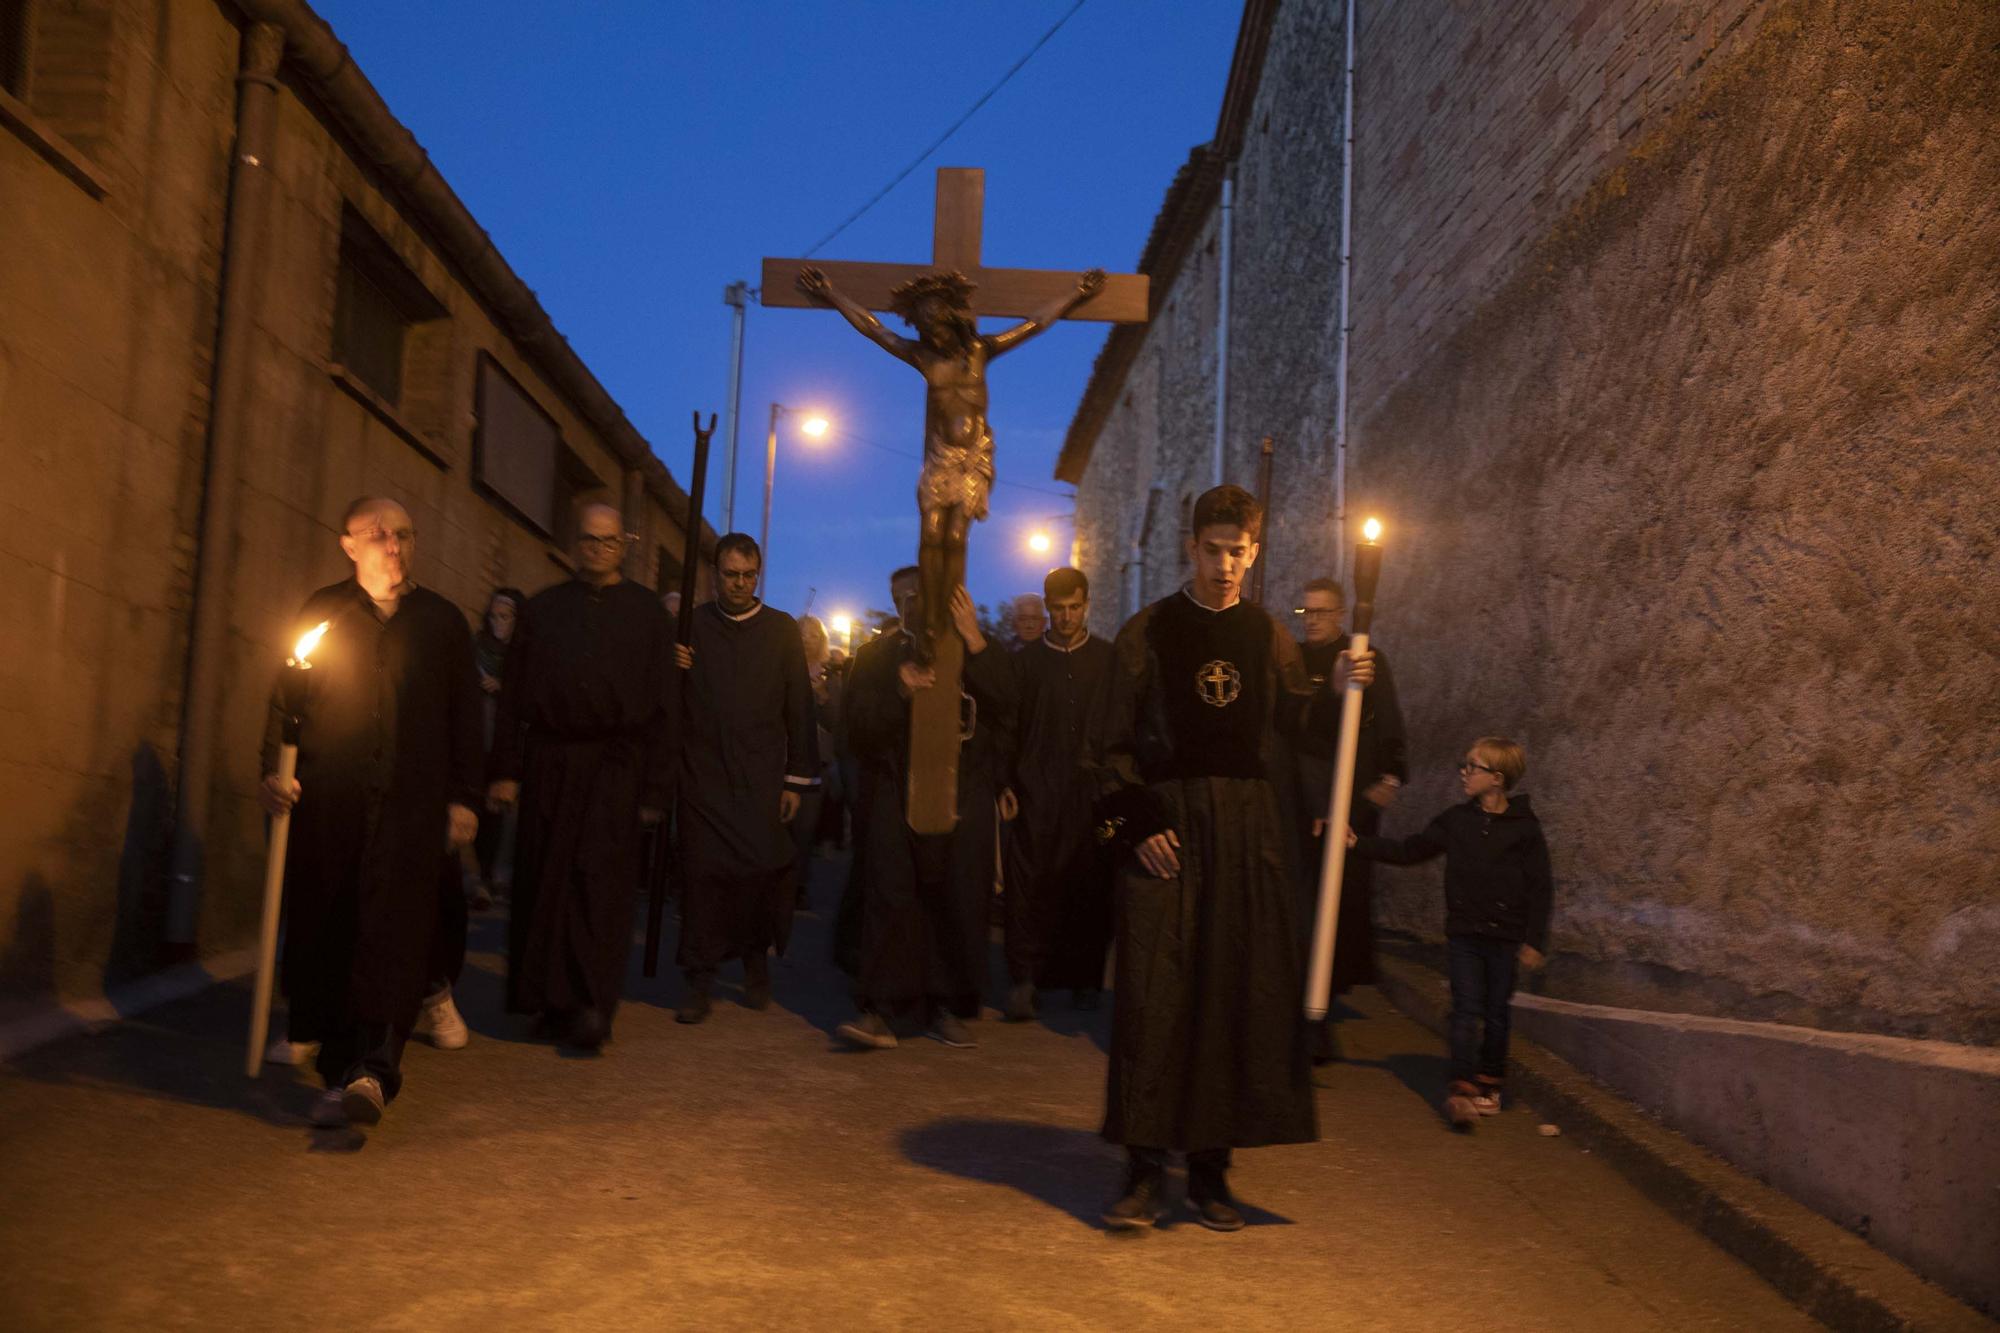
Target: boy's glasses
x=1469 y=767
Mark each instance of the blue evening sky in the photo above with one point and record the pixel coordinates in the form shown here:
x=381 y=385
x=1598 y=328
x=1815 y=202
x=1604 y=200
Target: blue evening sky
x=632 y=158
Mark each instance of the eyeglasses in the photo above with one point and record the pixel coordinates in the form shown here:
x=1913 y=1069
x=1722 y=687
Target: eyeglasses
x=1469 y=767
x=589 y=542
x=376 y=536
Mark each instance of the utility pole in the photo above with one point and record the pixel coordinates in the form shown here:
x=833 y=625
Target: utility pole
x=734 y=295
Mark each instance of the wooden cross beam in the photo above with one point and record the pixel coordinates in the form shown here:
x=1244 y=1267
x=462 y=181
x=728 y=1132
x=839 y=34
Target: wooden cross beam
x=955 y=244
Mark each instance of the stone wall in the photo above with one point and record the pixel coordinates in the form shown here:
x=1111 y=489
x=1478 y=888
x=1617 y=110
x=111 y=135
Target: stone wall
x=108 y=312
x=1698 y=505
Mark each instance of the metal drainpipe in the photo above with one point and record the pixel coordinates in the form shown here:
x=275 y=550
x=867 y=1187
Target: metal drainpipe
x=229 y=431
x=1346 y=278
x=734 y=295
x=1222 y=330
x=635 y=523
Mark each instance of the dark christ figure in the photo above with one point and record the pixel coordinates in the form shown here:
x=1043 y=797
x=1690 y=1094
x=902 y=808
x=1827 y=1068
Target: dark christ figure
x=952 y=355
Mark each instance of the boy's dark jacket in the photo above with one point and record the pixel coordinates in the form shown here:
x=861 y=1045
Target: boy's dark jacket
x=1496 y=869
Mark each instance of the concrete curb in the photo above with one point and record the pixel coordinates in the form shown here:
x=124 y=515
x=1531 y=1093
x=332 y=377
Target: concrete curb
x=67 y=1018
x=1834 y=1276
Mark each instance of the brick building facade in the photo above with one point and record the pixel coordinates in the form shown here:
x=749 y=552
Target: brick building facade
x=1673 y=329
x=388 y=349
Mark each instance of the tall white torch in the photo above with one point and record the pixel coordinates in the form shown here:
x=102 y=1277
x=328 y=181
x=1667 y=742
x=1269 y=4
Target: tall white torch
x=292 y=693
x=1333 y=858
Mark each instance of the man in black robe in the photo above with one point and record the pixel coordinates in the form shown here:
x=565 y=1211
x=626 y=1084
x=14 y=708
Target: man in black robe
x=388 y=778
x=749 y=750
x=1380 y=769
x=1058 y=890
x=582 y=741
x=1208 y=1041
x=924 y=897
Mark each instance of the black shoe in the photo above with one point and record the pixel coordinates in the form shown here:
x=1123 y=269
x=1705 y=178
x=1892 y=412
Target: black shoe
x=757 y=981
x=1139 y=1206
x=1208 y=1194
x=588 y=1031
x=1021 y=1002
x=1326 y=1044
x=694 y=1008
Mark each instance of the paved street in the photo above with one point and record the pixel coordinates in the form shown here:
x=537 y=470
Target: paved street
x=749 y=1173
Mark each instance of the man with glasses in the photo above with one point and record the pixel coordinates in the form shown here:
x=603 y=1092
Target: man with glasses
x=749 y=752
x=388 y=779
x=1380 y=769
x=582 y=742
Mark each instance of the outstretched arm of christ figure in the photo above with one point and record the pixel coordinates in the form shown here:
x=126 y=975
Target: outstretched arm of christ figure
x=1087 y=286
x=814 y=283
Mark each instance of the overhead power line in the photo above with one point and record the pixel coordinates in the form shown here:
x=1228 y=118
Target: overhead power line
x=939 y=142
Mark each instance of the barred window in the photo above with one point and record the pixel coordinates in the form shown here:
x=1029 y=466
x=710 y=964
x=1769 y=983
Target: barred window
x=16 y=27
x=376 y=302
x=514 y=447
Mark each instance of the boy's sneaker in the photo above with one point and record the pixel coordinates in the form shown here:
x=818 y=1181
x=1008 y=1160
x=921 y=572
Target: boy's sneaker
x=1487 y=1100
x=327 y=1111
x=946 y=1028
x=867 y=1030
x=294 y=1053
x=440 y=1023
x=363 y=1101
x=1460 y=1107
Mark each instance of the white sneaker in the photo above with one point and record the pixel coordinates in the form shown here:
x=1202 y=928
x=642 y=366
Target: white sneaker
x=440 y=1024
x=362 y=1100
x=327 y=1111
x=294 y=1053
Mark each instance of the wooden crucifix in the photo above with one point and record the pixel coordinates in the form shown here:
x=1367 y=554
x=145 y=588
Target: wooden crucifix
x=942 y=301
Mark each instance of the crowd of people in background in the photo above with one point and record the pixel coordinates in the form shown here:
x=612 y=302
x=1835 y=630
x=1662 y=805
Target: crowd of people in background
x=1156 y=802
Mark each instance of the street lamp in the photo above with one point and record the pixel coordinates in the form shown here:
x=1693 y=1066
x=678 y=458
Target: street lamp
x=843 y=625
x=1039 y=543
x=814 y=425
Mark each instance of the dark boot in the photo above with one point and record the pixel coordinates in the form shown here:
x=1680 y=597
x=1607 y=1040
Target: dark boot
x=757 y=980
x=1139 y=1205
x=696 y=1006
x=588 y=1031
x=1208 y=1191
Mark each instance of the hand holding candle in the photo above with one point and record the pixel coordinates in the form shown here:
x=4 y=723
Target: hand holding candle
x=279 y=792
x=1333 y=860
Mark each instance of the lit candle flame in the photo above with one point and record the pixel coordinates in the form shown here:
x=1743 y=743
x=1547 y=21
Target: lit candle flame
x=1372 y=529
x=308 y=641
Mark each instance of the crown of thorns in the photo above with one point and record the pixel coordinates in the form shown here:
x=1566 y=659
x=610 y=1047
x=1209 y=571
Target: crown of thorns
x=955 y=289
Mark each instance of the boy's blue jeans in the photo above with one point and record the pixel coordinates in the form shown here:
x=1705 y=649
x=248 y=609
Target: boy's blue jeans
x=1482 y=982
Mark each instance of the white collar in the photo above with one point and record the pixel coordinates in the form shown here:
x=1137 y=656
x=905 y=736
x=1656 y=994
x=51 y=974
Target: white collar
x=1187 y=589
x=755 y=607
x=1057 y=648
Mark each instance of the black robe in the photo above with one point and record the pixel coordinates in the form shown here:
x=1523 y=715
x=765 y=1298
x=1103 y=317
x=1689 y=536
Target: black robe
x=1058 y=887
x=1208 y=1044
x=390 y=737
x=746 y=734
x=1379 y=750
x=925 y=899
x=583 y=726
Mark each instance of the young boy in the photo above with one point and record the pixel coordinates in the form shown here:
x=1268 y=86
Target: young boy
x=1497 y=891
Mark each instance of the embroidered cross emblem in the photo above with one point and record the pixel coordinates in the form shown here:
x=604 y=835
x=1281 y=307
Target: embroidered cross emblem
x=1219 y=682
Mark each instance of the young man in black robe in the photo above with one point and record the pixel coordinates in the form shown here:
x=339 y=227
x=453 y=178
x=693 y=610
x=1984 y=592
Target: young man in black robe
x=388 y=779
x=924 y=904
x=582 y=741
x=1208 y=1041
x=749 y=750
x=1380 y=769
x=1058 y=890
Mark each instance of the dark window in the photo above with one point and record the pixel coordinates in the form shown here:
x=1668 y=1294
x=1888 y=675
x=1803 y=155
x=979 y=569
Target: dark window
x=576 y=485
x=514 y=447
x=374 y=305
x=15 y=20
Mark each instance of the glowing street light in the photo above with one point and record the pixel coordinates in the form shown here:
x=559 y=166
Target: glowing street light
x=843 y=625
x=814 y=425
x=1039 y=543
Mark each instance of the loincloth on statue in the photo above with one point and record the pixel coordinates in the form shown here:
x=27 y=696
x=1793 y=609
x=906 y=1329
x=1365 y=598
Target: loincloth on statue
x=957 y=475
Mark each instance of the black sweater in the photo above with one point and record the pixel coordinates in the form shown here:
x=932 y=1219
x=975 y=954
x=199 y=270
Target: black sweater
x=1496 y=869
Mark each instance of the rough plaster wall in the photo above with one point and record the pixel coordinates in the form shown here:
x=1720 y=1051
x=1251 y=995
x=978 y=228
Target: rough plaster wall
x=1161 y=430
x=1478 y=126
x=107 y=312
x=1701 y=506
x=106 y=353
x=1284 y=312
